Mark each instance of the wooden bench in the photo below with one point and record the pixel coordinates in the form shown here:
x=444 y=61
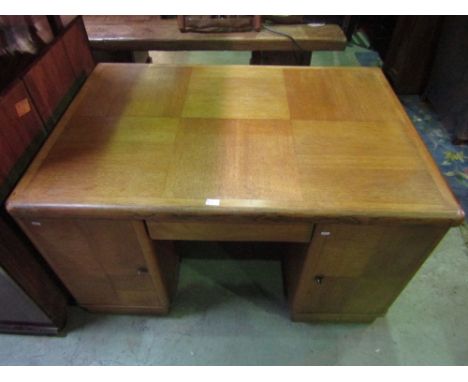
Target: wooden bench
x=123 y=35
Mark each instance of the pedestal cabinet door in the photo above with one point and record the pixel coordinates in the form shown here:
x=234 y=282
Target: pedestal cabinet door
x=106 y=264
x=356 y=271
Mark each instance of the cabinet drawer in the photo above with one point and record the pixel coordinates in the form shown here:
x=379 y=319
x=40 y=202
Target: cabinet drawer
x=220 y=231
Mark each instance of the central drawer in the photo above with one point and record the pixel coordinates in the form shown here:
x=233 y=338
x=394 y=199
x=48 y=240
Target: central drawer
x=221 y=231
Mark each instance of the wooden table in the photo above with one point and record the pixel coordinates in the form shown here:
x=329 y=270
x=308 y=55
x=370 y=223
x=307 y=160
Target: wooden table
x=144 y=33
x=322 y=160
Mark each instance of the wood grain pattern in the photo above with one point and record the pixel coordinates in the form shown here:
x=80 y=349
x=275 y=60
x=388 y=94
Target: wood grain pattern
x=49 y=80
x=129 y=91
x=152 y=33
x=76 y=45
x=338 y=95
x=18 y=127
x=236 y=93
x=103 y=263
x=184 y=230
x=349 y=271
x=21 y=133
x=176 y=136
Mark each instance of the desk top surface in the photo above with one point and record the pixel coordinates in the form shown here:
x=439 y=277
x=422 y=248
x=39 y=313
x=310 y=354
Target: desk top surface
x=264 y=142
x=152 y=33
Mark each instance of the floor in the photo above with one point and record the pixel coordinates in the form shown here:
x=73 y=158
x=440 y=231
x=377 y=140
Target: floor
x=233 y=312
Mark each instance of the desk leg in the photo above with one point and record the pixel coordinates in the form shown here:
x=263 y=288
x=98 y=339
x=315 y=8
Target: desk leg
x=355 y=272
x=290 y=58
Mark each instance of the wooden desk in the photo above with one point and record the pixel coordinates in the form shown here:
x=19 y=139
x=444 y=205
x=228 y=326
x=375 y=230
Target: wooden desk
x=324 y=159
x=144 y=33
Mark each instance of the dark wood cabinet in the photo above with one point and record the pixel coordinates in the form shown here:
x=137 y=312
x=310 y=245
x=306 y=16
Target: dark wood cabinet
x=409 y=58
x=32 y=299
x=447 y=90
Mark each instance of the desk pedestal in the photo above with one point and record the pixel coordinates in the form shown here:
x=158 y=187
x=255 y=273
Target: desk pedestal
x=343 y=273
x=354 y=272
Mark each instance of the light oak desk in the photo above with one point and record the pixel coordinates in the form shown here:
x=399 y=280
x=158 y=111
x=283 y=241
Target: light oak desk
x=324 y=159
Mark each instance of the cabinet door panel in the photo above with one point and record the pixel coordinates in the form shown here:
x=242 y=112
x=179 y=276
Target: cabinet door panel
x=76 y=44
x=50 y=82
x=356 y=269
x=20 y=127
x=352 y=251
x=102 y=262
x=22 y=117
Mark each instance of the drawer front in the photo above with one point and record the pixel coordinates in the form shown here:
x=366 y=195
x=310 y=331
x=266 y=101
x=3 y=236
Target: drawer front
x=220 y=231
